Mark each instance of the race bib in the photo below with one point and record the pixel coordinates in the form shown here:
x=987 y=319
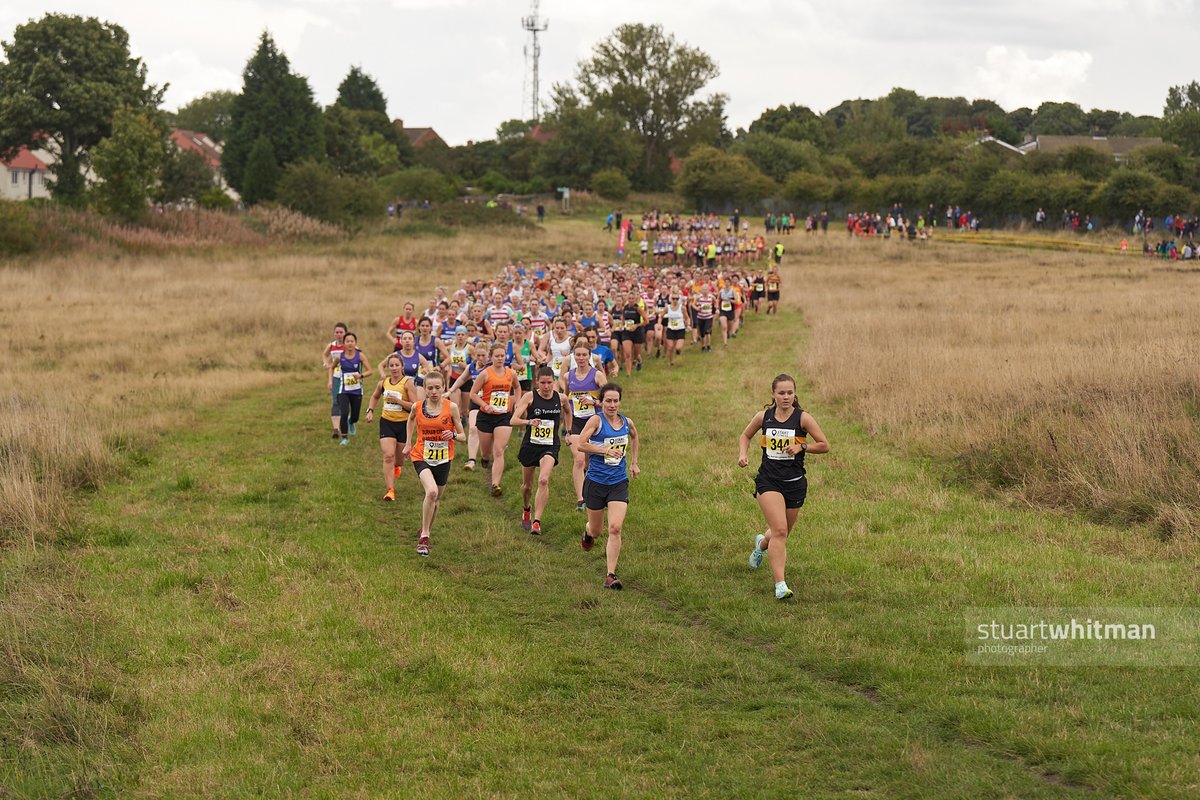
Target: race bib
x=458 y=359
x=556 y=364
x=391 y=400
x=351 y=381
x=630 y=324
x=580 y=410
x=619 y=443
x=758 y=287
x=500 y=401
x=776 y=441
x=541 y=431
x=727 y=305
x=435 y=453
x=675 y=324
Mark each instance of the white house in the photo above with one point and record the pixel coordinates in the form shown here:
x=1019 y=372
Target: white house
x=24 y=176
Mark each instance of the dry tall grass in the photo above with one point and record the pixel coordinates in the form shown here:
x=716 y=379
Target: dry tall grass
x=1069 y=380
x=104 y=352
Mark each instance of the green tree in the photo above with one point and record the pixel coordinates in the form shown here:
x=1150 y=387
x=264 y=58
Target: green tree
x=1086 y=162
x=1126 y=191
x=277 y=105
x=186 y=175
x=714 y=179
x=315 y=190
x=1167 y=161
x=776 y=156
x=358 y=91
x=1060 y=119
x=611 y=184
x=128 y=162
x=63 y=78
x=417 y=183
x=651 y=82
x=513 y=129
x=209 y=113
x=261 y=174
x=583 y=141
x=1181 y=117
x=809 y=190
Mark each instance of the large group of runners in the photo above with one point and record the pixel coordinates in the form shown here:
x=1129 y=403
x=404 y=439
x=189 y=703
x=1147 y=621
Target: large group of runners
x=538 y=349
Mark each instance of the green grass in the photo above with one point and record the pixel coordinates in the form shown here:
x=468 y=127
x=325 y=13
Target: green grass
x=241 y=615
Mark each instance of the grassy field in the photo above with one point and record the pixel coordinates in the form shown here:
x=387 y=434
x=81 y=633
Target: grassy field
x=237 y=614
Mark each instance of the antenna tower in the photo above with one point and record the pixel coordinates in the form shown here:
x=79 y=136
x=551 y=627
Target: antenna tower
x=533 y=51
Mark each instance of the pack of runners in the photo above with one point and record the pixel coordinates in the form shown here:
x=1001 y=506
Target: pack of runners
x=537 y=349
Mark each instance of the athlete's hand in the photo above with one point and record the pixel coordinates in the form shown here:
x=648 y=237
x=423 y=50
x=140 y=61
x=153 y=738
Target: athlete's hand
x=407 y=449
x=448 y=435
x=635 y=470
x=370 y=411
x=613 y=452
x=743 y=461
x=795 y=449
x=329 y=384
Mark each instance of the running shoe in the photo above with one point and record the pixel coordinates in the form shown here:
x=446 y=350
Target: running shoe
x=470 y=465
x=536 y=528
x=423 y=546
x=782 y=592
x=396 y=472
x=344 y=441
x=580 y=506
x=611 y=581
x=389 y=495
x=336 y=435
x=353 y=429
x=526 y=519
x=587 y=541
x=497 y=490
x=639 y=366
x=756 y=555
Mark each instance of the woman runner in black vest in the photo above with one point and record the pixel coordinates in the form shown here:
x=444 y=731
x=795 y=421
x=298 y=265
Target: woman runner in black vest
x=781 y=484
x=542 y=412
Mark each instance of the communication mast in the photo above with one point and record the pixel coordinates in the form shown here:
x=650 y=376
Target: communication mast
x=533 y=51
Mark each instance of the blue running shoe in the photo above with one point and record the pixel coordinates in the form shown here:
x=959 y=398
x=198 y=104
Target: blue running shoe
x=345 y=442
x=353 y=430
x=756 y=555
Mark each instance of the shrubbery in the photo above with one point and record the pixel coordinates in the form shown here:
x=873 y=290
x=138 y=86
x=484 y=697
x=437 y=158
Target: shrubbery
x=417 y=183
x=316 y=191
x=19 y=231
x=611 y=184
x=467 y=215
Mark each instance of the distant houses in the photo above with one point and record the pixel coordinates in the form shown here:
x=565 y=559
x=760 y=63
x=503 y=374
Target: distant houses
x=24 y=176
x=1116 y=147
x=418 y=137
x=1119 y=147
x=197 y=142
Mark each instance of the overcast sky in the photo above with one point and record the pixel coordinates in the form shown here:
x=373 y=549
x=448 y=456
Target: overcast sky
x=458 y=65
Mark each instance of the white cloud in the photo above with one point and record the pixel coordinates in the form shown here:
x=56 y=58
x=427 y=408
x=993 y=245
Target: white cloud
x=1013 y=78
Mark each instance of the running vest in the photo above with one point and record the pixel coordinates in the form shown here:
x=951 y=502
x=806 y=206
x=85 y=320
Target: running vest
x=631 y=318
x=675 y=318
x=498 y=391
x=393 y=393
x=459 y=359
x=704 y=306
x=559 y=352
x=544 y=416
x=430 y=446
x=335 y=355
x=428 y=351
x=776 y=437
x=351 y=373
x=607 y=470
x=526 y=353
x=412 y=367
x=580 y=387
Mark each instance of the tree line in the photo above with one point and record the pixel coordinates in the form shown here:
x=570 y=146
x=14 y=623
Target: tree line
x=637 y=116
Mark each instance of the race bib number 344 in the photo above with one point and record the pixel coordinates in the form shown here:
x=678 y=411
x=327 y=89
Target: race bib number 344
x=777 y=441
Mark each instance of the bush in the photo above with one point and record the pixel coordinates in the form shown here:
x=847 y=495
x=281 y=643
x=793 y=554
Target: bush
x=805 y=188
x=215 y=199
x=712 y=179
x=611 y=184
x=19 y=231
x=417 y=183
x=316 y=191
x=1126 y=191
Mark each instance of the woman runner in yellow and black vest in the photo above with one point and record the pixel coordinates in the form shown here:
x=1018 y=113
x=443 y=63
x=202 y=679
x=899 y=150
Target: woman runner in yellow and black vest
x=398 y=395
x=542 y=412
x=781 y=484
